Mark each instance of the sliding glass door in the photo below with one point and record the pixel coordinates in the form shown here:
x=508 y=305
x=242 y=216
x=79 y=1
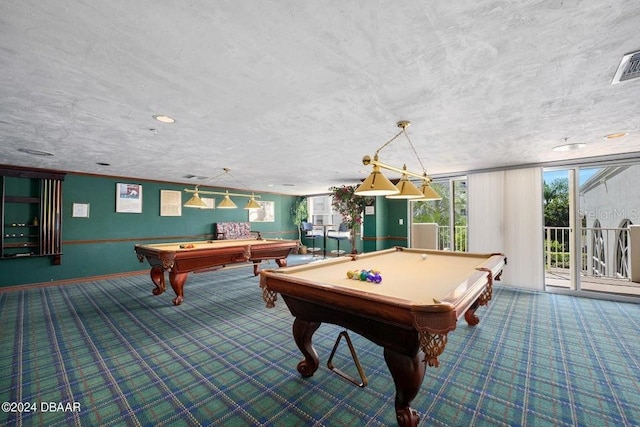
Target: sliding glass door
x=588 y=215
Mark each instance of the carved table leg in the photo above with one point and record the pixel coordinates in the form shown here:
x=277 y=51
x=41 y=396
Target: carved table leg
x=157 y=277
x=177 y=283
x=470 y=314
x=256 y=268
x=268 y=296
x=407 y=373
x=281 y=262
x=302 y=333
x=483 y=299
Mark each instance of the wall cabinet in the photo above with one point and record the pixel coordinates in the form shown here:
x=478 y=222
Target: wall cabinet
x=30 y=214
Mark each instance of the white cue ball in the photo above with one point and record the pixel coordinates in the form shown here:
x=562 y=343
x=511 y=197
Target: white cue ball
x=424 y=256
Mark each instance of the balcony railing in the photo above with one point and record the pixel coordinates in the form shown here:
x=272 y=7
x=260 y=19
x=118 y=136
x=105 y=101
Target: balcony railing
x=460 y=241
x=603 y=251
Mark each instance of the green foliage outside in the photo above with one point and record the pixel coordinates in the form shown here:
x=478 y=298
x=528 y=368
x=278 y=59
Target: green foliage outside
x=556 y=253
x=556 y=203
x=556 y=214
x=437 y=211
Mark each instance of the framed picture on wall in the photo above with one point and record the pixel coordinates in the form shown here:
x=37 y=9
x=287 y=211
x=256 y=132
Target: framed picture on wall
x=128 y=198
x=80 y=210
x=170 y=203
x=266 y=212
x=209 y=201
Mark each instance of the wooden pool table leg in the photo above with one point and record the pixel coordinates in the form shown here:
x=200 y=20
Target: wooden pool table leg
x=157 y=277
x=282 y=262
x=177 y=283
x=407 y=373
x=302 y=333
x=470 y=315
x=484 y=298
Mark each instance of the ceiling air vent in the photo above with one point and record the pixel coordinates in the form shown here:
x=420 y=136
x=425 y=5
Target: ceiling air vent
x=628 y=69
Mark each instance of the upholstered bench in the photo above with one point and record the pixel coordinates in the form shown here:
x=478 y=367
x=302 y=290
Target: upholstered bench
x=234 y=230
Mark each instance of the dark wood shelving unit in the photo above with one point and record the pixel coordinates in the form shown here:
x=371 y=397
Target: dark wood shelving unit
x=21 y=199
x=31 y=224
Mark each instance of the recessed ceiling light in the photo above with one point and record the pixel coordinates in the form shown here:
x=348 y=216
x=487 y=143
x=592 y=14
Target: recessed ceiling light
x=35 y=152
x=569 y=147
x=616 y=135
x=164 y=119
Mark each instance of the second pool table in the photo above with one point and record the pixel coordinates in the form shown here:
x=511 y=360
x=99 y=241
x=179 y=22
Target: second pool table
x=181 y=258
x=409 y=313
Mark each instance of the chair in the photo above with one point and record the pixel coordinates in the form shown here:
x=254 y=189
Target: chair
x=311 y=233
x=342 y=233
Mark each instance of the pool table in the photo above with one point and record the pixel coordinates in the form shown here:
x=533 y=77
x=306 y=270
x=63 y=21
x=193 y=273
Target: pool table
x=409 y=313
x=181 y=258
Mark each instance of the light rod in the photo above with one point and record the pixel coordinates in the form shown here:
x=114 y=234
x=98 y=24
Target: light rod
x=366 y=160
x=219 y=193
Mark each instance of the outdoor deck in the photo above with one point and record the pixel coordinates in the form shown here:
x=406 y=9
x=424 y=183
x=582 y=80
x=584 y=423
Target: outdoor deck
x=560 y=278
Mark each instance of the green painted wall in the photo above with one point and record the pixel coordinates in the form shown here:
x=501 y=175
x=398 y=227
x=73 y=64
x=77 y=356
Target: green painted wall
x=395 y=232
x=103 y=243
x=382 y=230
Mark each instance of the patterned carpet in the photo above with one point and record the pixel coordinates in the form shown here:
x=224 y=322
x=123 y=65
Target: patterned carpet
x=126 y=357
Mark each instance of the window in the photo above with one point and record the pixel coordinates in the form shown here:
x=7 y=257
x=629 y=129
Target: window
x=321 y=212
x=450 y=213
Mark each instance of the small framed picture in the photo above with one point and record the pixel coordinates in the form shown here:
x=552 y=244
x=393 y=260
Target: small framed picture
x=80 y=210
x=128 y=198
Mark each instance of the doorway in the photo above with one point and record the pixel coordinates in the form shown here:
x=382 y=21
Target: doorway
x=587 y=215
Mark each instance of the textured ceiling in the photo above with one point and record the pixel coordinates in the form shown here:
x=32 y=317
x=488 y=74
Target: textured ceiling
x=289 y=95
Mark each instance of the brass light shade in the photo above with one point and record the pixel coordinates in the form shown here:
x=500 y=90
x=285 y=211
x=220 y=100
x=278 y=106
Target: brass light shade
x=227 y=203
x=376 y=184
x=428 y=192
x=195 y=202
x=252 y=204
x=406 y=189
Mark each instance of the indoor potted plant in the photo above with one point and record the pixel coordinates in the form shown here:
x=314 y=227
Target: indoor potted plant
x=350 y=207
x=299 y=214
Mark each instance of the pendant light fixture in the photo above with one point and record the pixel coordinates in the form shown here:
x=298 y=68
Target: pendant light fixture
x=226 y=203
x=377 y=184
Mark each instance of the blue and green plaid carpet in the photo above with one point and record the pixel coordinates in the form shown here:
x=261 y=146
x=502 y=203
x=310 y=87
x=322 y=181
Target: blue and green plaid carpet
x=126 y=357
